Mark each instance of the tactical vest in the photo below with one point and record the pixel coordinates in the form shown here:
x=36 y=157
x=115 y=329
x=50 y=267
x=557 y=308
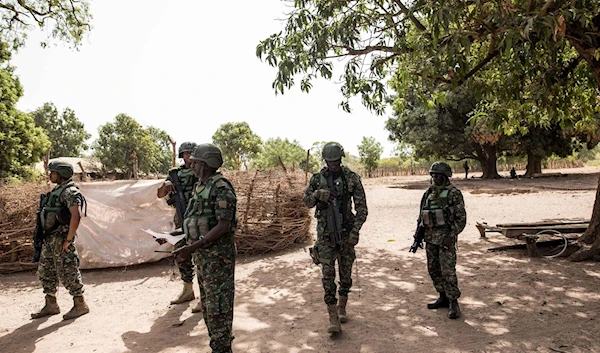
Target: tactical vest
x=435 y=211
x=343 y=194
x=200 y=217
x=54 y=205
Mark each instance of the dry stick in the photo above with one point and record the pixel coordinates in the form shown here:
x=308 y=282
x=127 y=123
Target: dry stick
x=250 y=189
x=306 y=167
x=15 y=249
x=5 y=236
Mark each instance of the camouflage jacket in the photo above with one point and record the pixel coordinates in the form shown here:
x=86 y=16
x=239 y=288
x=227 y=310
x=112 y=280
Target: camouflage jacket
x=350 y=192
x=456 y=213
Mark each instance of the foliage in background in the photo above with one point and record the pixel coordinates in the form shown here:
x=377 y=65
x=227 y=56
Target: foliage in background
x=21 y=142
x=238 y=143
x=291 y=153
x=119 y=140
x=66 y=133
x=369 y=152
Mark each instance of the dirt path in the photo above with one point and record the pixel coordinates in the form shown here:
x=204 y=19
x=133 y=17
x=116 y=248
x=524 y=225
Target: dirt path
x=510 y=303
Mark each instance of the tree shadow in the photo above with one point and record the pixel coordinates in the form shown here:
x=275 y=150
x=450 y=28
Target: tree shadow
x=24 y=338
x=167 y=331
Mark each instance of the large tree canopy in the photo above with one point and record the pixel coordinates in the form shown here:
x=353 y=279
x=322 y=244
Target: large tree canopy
x=67 y=133
x=290 y=152
x=66 y=20
x=533 y=62
x=237 y=143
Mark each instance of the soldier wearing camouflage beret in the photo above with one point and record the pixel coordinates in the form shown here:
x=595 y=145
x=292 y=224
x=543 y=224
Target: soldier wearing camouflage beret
x=209 y=226
x=333 y=191
x=442 y=217
x=187 y=179
x=59 y=261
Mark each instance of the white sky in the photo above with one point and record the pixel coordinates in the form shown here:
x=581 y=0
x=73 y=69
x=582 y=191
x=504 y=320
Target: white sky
x=187 y=69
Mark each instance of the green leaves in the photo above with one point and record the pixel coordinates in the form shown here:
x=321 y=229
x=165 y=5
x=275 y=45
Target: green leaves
x=238 y=143
x=66 y=133
x=369 y=152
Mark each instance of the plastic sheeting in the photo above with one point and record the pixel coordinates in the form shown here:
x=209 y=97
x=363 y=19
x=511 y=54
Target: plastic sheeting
x=112 y=233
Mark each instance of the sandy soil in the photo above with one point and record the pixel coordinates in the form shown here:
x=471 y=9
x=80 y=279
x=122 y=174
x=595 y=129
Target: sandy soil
x=510 y=303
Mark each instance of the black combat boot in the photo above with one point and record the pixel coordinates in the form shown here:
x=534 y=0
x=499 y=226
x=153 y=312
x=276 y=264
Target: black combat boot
x=441 y=302
x=454 y=312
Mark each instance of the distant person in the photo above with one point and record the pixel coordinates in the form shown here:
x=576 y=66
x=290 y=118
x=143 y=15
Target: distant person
x=187 y=180
x=59 y=260
x=442 y=217
x=466 y=167
x=513 y=173
x=209 y=227
x=336 y=185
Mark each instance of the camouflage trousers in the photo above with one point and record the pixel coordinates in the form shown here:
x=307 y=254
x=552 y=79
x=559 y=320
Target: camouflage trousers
x=56 y=264
x=186 y=267
x=328 y=255
x=441 y=264
x=215 y=267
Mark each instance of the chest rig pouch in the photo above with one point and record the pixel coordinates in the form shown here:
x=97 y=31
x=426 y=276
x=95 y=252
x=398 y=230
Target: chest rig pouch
x=55 y=213
x=435 y=211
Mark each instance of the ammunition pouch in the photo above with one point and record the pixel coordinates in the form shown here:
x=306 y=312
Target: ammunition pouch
x=314 y=255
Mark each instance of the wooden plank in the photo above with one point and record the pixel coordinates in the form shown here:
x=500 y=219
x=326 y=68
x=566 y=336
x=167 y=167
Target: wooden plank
x=543 y=223
x=515 y=232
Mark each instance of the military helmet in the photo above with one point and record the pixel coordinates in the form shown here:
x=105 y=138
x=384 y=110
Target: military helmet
x=332 y=151
x=209 y=154
x=441 y=168
x=64 y=169
x=187 y=146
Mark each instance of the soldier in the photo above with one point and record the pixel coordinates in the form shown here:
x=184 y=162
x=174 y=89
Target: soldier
x=336 y=185
x=187 y=180
x=209 y=225
x=59 y=259
x=442 y=216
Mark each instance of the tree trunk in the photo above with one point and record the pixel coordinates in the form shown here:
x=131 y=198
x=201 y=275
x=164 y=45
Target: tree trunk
x=489 y=161
x=591 y=234
x=534 y=164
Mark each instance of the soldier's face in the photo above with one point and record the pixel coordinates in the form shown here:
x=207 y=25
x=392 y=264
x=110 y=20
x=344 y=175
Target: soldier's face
x=438 y=179
x=186 y=158
x=198 y=168
x=53 y=176
x=334 y=166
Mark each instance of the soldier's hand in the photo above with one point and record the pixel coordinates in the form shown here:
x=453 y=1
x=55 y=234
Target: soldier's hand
x=353 y=237
x=65 y=246
x=168 y=185
x=448 y=242
x=183 y=253
x=322 y=195
x=161 y=241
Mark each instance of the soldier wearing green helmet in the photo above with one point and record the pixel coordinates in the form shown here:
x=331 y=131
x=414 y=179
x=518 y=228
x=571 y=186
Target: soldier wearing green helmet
x=209 y=226
x=442 y=216
x=336 y=187
x=59 y=261
x=186 y=178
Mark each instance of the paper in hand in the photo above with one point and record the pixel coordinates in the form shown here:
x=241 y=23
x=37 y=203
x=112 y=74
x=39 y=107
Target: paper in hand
x=171 y=239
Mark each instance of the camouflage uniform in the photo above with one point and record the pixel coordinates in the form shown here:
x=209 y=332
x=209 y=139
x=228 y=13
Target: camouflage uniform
x=215 y=264
x=349 y=190
x=441 y=236
x=56 y=264
x=187 y=179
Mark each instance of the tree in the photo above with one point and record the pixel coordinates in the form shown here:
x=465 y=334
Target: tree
x=516 y=55
x=237 y=143
x=369 y=151
x=290 y=152
x=443 y=130
x=21 y=142
x=119 y=141
x=67 y=133
x=163 y=158
x=67 y=20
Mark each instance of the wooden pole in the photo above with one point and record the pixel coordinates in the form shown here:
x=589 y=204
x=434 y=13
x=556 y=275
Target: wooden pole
x=173 y=144
x=84 y=176
x=135 y=165
x=306 y=167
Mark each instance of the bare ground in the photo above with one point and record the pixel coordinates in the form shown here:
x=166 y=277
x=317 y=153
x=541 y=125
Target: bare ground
x=510 y=303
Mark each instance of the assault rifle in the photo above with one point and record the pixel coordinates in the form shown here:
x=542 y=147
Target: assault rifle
x=38 y=233
x=419 y=236
x=179 y=199
x=334 y=218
